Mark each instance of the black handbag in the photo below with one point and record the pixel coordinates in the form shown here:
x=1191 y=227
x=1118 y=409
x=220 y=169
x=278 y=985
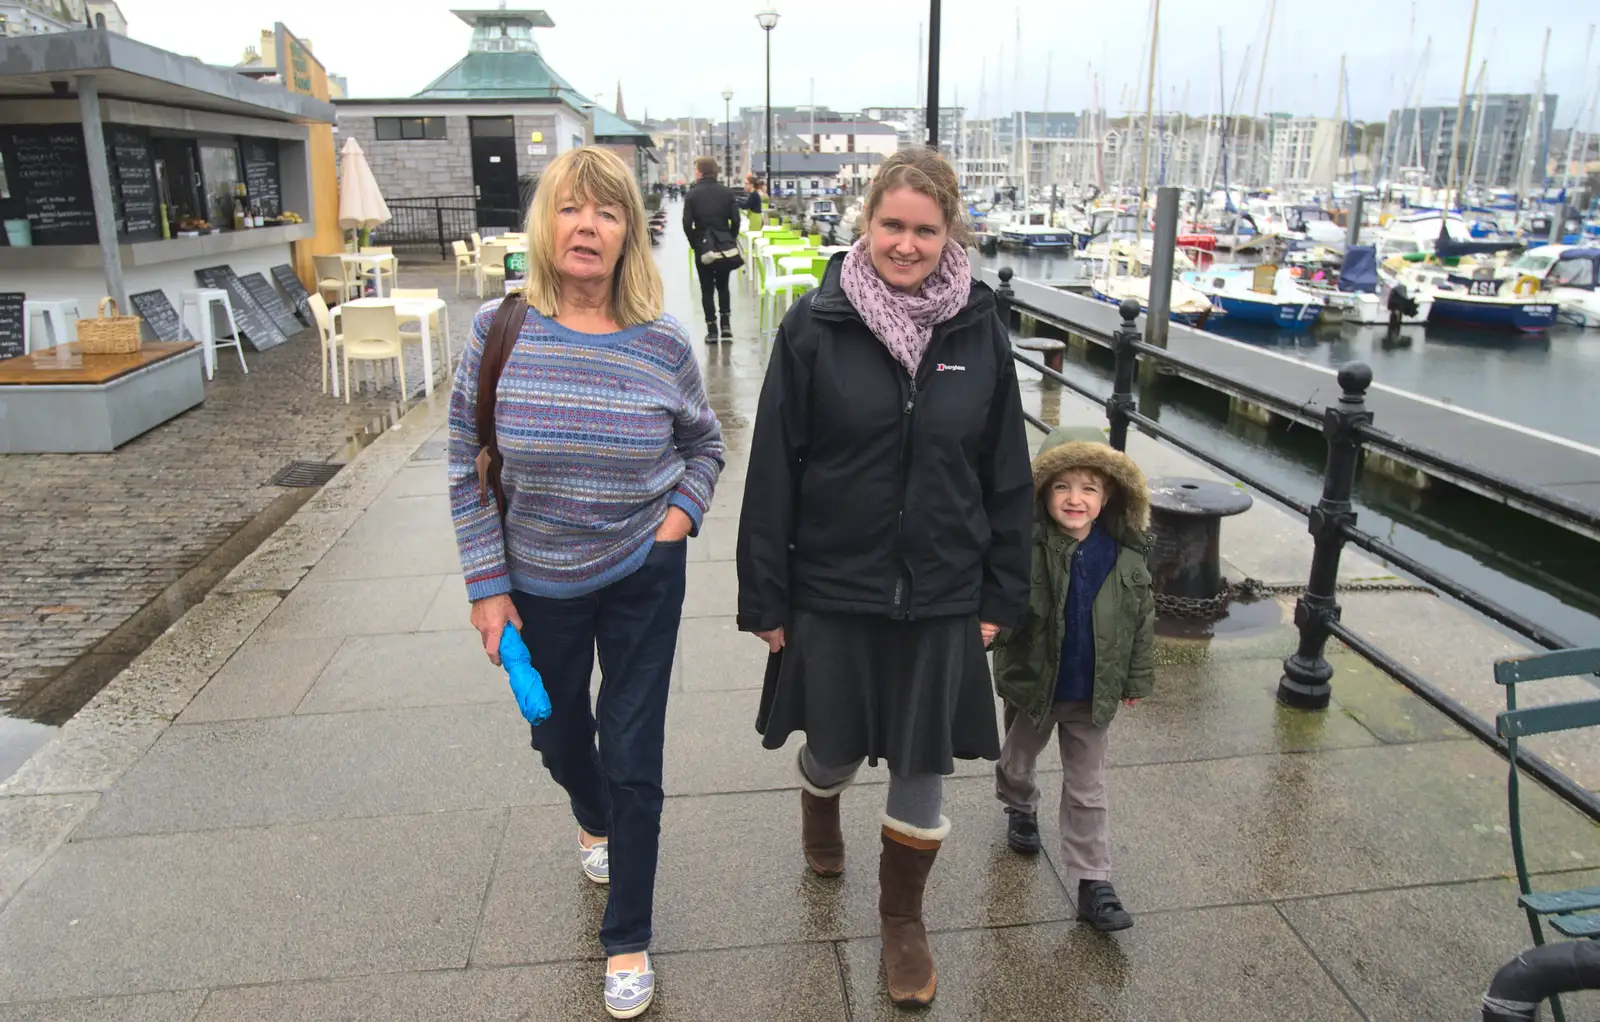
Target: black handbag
x=719 y=251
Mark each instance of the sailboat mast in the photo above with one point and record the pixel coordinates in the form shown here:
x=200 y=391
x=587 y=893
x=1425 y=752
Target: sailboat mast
x=1255 y=106
x=1149 y=101
x=1477 y=123
x=1572 y=135
x=1535 y=120
x=1391 y=146
x=1416 y=103
x=1461 y=103
x=1338 y=131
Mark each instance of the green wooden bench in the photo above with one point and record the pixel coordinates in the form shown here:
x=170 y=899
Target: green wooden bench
x=1569 y=913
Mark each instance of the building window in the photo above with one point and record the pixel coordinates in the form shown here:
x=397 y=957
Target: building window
x=397 y=129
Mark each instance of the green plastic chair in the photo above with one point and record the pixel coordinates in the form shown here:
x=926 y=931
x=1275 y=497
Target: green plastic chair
x=815 y=240
x=1569 y=913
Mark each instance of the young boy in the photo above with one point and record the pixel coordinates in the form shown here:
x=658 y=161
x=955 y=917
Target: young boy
x=1084 y=647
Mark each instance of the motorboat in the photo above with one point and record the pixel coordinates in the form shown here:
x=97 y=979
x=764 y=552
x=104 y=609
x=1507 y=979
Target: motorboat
x=1569 y=275
x=1482 y=302
x=1264 y=295
x=1031 y=231
x=1362 y=294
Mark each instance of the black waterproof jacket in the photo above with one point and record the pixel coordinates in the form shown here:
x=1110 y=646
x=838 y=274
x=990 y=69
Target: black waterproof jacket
x=710 y=216
x=873 y=493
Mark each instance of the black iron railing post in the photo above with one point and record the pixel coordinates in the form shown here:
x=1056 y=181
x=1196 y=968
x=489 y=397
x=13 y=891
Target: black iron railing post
x=1003 y=296
x=438 y=216
x=1120 y=404
x=1306 y=674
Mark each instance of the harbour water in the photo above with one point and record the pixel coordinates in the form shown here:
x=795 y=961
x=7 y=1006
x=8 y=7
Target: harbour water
x=1545 y=383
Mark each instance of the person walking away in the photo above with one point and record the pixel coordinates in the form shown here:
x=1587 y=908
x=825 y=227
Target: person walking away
x=711 y=223
x=1085 y=647
x=594 y=412
x=883 y=539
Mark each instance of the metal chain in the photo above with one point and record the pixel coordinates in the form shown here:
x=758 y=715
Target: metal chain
x=1207 y=608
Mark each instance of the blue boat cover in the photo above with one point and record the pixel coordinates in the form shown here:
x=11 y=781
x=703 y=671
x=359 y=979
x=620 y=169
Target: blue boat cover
x=1360 y=269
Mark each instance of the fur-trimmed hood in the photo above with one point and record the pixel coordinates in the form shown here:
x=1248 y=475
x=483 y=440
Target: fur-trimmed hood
x=1127 y=513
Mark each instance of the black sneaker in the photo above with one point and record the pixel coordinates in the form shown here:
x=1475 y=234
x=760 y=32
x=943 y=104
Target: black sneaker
x=1099 y=906
x=711 y=333
x=727 y=329
x=1022 y=832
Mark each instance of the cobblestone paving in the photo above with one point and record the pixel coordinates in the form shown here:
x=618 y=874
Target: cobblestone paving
x=92 y=538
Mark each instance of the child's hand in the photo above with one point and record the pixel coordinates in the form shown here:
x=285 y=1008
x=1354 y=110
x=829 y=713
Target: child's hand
x=988 y=631
x=1131 y=703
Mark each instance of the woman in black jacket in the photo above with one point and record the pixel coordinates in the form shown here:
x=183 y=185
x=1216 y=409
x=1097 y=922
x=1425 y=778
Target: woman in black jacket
x=884 y=535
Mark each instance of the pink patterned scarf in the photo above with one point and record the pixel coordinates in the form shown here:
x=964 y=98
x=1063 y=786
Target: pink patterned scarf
x=904 y=323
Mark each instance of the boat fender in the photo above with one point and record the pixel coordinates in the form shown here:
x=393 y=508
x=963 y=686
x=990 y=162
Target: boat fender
x=1526 y=285
x=1297 y=271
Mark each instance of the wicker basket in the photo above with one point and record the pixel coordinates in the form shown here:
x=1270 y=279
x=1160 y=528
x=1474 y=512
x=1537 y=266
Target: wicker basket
x=109 y=335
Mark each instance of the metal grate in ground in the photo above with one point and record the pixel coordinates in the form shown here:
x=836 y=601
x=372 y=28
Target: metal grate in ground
x=433 y=450
x=306 y=473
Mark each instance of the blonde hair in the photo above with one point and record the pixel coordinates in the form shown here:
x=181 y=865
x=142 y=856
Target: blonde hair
x=925 y=171
x=593 y=174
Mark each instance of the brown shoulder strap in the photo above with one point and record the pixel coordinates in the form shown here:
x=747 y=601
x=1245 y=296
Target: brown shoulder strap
x=497 y=348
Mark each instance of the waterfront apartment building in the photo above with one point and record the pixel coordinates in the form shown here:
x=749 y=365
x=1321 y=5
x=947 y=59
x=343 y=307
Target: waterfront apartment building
x=1509 y=141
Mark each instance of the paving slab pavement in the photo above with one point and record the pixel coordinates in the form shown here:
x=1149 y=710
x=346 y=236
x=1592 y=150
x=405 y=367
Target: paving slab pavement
x=312 y=800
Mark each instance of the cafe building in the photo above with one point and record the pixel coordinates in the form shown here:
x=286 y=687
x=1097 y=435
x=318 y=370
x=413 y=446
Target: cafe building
x=128 y=171
x=124 y=167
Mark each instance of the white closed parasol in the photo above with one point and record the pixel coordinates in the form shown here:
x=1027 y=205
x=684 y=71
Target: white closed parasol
x=361 y=204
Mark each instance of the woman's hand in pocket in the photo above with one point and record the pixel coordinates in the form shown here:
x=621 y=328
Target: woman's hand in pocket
x=773 y=639
x=675 y=527
x=988 y=631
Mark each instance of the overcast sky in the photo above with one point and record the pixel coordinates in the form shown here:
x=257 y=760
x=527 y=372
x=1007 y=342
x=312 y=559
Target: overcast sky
x=675 y=58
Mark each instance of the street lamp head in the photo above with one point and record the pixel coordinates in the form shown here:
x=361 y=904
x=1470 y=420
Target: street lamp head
x=768 y=19
x=727 y=95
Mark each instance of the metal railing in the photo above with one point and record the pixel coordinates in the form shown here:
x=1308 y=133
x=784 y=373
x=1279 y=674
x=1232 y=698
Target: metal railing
x=438 y=220
x=1347 y=425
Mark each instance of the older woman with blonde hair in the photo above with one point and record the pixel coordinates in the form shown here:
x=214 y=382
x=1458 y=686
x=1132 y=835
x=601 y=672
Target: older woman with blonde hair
x=575 y=483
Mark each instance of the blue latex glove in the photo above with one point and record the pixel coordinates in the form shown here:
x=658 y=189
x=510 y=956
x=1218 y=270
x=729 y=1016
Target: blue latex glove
x=526 y=684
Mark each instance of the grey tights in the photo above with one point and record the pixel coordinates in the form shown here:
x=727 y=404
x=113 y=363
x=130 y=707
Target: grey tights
x=915 y=799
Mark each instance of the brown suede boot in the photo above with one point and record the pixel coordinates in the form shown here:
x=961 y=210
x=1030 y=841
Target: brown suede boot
x=907 y=858
x=821 y=838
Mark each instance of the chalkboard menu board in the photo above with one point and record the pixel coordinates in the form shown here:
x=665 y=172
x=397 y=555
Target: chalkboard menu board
x=261 y=173
x=52 y=177
x=11 y=322
x=159 y=315
x=134 y=182
x=260 y=332
x=299 y=297
x=267 y=297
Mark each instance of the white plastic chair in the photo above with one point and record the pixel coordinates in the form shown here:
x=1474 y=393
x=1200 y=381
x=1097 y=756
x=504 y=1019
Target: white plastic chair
x=774 y=284
x=371 y=335
x=54 y=311
x=330 y=341
x=333 y=276
x=204 y=301
x=491 y=265
x=379 y=272
x=466 y=259
x=436 y=334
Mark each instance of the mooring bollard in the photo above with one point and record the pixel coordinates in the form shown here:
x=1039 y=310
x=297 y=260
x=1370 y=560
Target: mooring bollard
x=1306 y=674
x=1003 y=295
x=1120 y=404
x=1186 y=538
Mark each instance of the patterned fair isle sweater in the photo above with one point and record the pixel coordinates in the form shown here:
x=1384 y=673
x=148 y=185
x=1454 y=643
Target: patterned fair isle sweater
x=601 y=434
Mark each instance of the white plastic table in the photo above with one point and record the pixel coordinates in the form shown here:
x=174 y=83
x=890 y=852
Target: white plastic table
x=419 y=309
x=377 y=260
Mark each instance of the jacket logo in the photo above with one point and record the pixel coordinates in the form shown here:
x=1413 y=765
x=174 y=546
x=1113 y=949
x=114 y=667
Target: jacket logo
x=945 y=367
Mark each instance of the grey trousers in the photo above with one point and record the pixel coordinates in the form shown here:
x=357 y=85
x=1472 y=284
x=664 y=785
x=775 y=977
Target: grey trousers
x=1085 y=835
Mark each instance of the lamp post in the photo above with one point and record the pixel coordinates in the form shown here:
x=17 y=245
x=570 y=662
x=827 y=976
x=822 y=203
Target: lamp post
x=768 y=20
x=933 y=75
x=727 y=133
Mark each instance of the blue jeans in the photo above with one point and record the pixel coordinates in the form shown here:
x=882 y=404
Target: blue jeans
x=615 y=788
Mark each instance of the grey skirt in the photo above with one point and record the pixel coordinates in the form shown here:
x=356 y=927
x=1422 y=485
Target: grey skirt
x=915 y=694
